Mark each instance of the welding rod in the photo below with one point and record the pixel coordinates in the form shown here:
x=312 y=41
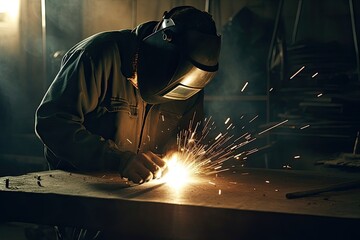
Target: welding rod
x=336 y=187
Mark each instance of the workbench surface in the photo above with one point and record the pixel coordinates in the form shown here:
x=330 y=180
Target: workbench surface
x=239 y=202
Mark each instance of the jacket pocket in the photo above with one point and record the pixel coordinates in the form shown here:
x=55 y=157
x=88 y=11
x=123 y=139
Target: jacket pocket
x=115 y=120
x=116 y=105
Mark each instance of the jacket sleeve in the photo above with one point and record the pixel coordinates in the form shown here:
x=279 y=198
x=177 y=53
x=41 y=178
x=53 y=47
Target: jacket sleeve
x=59 y=120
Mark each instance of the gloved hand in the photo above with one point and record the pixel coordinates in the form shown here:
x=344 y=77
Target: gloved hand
x=144 y=167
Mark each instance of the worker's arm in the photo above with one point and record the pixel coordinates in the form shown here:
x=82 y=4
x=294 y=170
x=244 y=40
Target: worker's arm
x=143 y=167
x=59 y=120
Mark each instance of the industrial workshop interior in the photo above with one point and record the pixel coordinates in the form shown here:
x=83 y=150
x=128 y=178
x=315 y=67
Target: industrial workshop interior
x=276 y=156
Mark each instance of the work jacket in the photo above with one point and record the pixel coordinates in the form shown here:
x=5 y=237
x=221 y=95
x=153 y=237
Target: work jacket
x=93 y=118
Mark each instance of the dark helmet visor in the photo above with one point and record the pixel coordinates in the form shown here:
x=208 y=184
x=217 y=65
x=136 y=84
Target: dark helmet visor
x=176 y=69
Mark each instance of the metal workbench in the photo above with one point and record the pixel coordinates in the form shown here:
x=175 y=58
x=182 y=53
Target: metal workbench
x=239 y=203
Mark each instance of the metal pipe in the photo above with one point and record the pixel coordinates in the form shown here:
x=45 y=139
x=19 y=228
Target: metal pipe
x=43 y=39
x=273 y=38
x=134 y=13
x=336 y=187
x=207 y=6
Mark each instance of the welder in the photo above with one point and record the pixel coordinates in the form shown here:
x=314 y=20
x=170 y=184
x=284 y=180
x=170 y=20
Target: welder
x=121 y=97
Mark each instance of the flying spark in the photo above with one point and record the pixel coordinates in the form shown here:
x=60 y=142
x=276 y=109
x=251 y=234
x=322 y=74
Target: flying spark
x=227 y=120
x=306 y=126
x=254 y=118
x=199 y=152
x=276 y=125
x=245 y=85
x=287 y=166
x=297 y=72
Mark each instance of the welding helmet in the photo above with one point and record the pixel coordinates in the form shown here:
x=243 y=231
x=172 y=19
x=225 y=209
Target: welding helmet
x=174 y=62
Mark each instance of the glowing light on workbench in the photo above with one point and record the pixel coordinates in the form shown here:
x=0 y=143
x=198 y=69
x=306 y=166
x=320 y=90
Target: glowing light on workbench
x=178 y=174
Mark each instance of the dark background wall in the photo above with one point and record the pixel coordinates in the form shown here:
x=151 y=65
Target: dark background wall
x=32 y=42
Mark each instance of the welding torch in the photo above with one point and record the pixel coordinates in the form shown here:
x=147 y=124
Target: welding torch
x=164 y=169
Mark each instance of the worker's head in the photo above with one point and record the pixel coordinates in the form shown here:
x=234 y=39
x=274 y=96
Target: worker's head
x=180 y=57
